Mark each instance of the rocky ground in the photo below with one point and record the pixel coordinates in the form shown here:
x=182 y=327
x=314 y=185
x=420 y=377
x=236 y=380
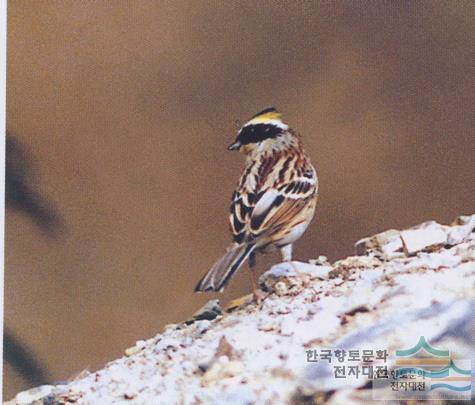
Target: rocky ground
x=401 y=285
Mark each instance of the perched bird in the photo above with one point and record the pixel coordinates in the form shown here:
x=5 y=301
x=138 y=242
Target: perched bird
x=274 y=201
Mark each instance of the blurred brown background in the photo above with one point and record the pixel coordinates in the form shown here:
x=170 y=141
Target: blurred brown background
x=127 y=108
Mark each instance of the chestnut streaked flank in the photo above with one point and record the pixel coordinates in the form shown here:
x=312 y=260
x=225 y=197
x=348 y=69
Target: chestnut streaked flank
x=274 y=201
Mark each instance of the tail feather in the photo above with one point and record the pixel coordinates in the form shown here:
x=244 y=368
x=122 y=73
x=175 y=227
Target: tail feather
x=222 y=271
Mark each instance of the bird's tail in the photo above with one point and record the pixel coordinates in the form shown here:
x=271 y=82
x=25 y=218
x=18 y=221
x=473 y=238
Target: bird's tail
x=222 y=271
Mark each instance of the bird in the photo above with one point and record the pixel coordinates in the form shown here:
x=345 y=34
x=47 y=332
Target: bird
x=274 y=201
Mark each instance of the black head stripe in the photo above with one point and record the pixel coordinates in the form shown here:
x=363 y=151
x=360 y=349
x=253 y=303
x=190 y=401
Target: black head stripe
x=257 y=132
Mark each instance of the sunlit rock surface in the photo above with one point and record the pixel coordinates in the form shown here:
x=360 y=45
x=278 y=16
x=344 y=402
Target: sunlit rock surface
x=401 y=286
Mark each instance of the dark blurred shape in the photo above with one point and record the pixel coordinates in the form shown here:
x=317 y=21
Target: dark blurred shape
x=23 y=360
x=20 y=192
x=21 y=195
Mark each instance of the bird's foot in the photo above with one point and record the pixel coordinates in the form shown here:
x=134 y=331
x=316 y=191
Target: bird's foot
x=259 y=296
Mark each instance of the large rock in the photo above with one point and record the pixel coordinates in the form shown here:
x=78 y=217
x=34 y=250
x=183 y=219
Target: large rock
x=403 y=285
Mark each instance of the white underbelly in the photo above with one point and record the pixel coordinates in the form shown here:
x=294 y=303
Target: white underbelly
x=294 y=234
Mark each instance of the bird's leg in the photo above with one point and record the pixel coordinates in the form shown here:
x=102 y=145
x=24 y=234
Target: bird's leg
x=258 y=294
x=286 y=252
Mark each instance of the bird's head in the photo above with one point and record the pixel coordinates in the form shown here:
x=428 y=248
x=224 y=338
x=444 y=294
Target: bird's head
x=266 y=127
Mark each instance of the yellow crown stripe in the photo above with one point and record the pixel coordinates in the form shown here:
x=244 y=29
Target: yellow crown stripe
x=266 y=117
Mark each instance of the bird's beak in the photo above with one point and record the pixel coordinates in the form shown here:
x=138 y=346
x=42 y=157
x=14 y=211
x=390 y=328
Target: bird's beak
x=234 y=146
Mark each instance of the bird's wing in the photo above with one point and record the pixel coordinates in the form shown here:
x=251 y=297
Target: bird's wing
x=279 y=204
x=271 y=195
x=240 y=210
